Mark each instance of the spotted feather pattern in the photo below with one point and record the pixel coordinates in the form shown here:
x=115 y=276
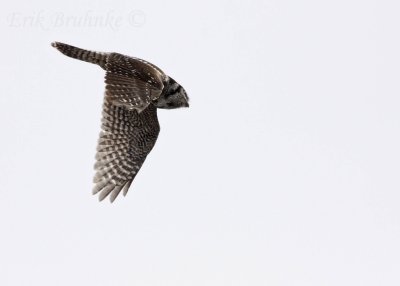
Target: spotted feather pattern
x=135 y=89
x=127 y=137
x=131 y=82
x=92 y=57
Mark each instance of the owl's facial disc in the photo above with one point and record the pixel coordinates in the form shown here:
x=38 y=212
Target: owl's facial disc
x=173 y=97
x=178 y=98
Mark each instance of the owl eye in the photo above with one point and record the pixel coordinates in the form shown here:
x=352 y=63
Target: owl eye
x=173 y=91
x=177 y=90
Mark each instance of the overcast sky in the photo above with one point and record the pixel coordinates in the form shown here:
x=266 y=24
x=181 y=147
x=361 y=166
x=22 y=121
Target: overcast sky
x=284 y=170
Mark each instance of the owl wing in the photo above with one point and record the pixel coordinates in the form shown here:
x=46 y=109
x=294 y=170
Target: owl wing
x=131 y=82
x=127 y=137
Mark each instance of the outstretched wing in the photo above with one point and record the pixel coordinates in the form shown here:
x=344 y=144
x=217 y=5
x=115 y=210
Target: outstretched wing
x=126 y=139
x=131 y=82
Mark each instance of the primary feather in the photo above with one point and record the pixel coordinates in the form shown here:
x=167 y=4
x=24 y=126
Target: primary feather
x=134 y=90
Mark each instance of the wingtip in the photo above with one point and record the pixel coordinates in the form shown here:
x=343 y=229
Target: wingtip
x=54 y=44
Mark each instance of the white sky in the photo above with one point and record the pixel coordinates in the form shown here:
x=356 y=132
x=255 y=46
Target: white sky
x=284 y=171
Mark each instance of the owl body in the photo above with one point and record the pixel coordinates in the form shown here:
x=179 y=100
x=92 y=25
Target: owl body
x=134 y=90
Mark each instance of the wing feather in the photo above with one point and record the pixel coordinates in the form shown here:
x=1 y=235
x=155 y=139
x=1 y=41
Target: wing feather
x=127 y=137
x=131 y=82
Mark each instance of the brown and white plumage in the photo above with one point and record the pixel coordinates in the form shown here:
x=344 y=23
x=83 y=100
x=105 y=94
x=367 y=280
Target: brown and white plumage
x=134 y=90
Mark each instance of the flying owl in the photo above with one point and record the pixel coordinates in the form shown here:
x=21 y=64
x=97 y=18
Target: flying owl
x=134 y=90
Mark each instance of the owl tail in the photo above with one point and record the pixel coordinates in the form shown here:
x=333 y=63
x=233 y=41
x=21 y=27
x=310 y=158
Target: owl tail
x=97 y=58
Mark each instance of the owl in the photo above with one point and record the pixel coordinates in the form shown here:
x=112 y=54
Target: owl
x=134 y=90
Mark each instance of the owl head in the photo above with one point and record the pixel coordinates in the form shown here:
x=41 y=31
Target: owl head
x=173 y=96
